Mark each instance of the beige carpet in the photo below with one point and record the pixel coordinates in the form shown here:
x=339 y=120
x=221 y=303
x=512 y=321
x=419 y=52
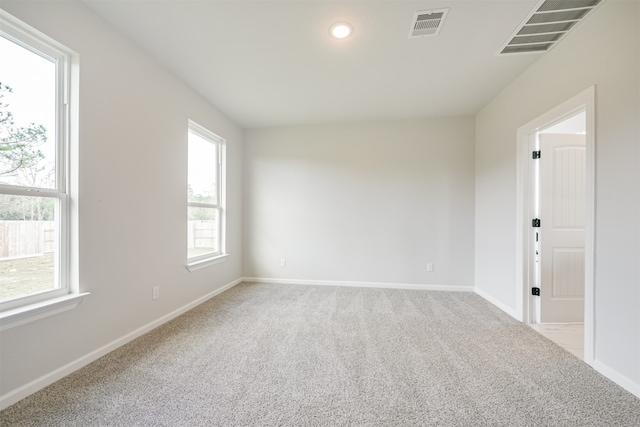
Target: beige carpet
x=287 y=355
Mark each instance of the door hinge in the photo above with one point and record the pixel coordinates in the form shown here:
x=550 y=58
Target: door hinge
x=535 y=291
x=536 y=154
x=535 y=222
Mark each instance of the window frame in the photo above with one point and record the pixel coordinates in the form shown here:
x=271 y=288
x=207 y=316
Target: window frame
x=210 y=258
x=67 y=295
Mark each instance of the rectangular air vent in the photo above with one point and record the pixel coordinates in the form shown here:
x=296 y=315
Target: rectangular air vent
x=427 y=22
x=543 y=28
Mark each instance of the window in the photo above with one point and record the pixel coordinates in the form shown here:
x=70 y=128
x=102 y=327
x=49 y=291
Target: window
x=34 y=168
x=205 y=204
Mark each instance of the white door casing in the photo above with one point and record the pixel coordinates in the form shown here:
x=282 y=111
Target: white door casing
x=525 y=259
x=562 y=231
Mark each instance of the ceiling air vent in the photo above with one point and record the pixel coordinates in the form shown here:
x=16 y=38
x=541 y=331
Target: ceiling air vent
x=427 y=22
x=549 y=21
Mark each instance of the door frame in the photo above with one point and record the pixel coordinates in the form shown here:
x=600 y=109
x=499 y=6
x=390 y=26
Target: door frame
x=526 y=134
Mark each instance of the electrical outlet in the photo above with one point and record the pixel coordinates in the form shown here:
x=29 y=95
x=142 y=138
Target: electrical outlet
x=430 y=267
x=283 y=262
x=155 y=294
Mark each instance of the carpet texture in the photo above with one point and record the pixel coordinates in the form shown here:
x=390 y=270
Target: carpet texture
x=288 y=355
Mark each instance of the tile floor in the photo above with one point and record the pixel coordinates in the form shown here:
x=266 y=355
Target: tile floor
x=569 y=336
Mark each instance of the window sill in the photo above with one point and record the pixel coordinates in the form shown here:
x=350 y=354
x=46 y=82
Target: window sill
x=197 y=265
x=40 y=310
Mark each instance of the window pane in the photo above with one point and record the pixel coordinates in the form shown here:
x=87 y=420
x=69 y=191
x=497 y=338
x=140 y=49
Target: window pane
x=203 y=234
x=28 y=245
x=27 y=117
x=203 y=170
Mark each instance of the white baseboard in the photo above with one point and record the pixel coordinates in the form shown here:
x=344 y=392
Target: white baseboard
x=20 y=393
x=382 y=285
x=617 y=377
x=624 y=382
x=511 y=312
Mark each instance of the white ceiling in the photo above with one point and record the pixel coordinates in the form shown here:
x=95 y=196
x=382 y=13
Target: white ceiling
x=273 y=63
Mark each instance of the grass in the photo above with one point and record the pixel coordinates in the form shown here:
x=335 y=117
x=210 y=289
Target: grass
x=25 y=276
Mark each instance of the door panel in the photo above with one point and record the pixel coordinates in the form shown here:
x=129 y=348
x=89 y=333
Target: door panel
x=562 y=214
x=568 y=273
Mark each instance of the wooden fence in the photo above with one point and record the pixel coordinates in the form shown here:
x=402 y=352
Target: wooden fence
x=202 y=234
x=26 y=238
x=31 y=238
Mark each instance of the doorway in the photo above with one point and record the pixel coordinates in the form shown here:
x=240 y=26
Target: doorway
x=556 y=218
x=559 y=203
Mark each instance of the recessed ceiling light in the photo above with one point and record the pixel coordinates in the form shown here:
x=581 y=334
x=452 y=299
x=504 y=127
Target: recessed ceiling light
x=340 y=30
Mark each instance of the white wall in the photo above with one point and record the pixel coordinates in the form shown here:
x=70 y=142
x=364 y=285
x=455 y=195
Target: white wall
x=365 y=203
x=132 y=196
x=361 y=203
x=603 y=51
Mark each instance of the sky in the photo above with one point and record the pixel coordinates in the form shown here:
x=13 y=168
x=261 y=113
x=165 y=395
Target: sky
x=32 y=78
x=202 y=167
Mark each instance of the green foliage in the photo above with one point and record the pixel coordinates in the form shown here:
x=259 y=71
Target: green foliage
x=22 y=163
x=201 y=213
x=24 y=208
x=18 y=145
x=200 y=198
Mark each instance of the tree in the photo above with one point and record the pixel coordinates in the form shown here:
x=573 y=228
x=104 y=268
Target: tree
x=18 y=145
x=200 y=213
x=22 y=163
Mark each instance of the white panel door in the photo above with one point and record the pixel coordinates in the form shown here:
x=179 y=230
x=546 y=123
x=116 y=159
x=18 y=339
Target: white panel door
x=562 y=235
